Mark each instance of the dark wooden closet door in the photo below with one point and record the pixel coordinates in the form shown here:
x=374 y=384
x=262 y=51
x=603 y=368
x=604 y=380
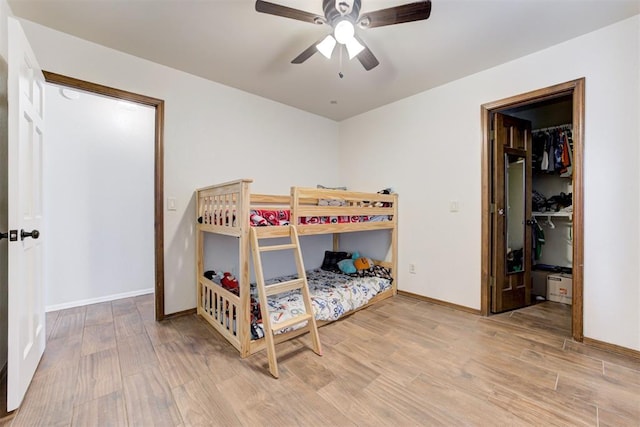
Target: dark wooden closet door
x=511 y=249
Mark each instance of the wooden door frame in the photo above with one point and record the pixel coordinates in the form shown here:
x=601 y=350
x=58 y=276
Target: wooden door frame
x=158 y=104
x=576 y=89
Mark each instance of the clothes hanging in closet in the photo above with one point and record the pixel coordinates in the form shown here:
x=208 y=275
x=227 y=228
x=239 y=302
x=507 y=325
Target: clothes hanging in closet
x=552 y=150
x=538 y=240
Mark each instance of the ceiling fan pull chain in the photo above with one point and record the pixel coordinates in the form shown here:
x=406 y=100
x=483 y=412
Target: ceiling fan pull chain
x=340 y=64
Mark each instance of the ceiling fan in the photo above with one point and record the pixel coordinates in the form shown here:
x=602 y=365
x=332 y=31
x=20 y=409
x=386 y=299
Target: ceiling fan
x=343 y=16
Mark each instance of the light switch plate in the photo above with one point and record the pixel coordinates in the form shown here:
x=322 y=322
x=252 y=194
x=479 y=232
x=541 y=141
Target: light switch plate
x=171 y=203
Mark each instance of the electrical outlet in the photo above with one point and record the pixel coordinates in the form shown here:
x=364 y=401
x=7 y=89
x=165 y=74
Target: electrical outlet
x=412 y=268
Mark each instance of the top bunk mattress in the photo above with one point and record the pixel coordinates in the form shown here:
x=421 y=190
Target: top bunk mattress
x=265 y=217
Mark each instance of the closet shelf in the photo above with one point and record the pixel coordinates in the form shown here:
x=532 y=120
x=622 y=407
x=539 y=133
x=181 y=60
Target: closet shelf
x=554 y=214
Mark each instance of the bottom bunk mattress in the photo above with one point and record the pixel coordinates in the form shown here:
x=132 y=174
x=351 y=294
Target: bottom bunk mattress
x=332 y=296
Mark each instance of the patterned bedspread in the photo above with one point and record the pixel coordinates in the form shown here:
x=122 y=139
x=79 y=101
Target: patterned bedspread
x=262 y=218
x=332 y=295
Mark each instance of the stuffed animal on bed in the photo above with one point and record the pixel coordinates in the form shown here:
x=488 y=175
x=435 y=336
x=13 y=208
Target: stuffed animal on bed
x=355 y=264
x=363 y=263
x=230 y=283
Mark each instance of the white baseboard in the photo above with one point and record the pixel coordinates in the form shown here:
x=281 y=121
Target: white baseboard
x=114 y=297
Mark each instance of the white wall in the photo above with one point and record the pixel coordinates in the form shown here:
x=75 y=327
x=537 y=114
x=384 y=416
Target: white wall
x=428 y=146
x=213 y=133
x=98 y=169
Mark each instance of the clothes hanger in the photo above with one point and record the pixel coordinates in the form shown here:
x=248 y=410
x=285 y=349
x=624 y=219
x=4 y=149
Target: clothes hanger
x=550 y=223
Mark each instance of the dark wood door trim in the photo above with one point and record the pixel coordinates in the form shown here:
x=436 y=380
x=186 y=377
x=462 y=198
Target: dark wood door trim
x=158 y=104
x=576 y=89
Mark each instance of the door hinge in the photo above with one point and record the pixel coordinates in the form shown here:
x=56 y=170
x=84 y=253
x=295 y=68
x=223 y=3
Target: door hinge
x=493 y=134
x=492 y=208
x=492 y=282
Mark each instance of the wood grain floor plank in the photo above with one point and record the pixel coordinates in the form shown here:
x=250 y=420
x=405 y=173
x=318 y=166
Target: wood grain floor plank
x=129 y=324
x=51 y=318
x=60 y=354
x=105 y=411
x=535 y=322
x=98 y=314
x=611 y=419
x=303 y=407
x=98 y=337
x=136 y=353
x=606 y=356
x=242 y=393
x=179 y=364
x=68 y=324
x=361 y=408
x=149 y=400
x=621 y=374
x=311 y=369
x=200 y=404
x=147 y=309
x=123 y=306
x=526 y=402
x=80 y=310
x=561 y=363
x=98 y=375
x=192 y=326
x=537 y=413
x=619 y=398
x=402 y=365
x=334 y=333
x=536 y=336
x=161 y=332
x=49 y=400
x=510 y=372
x=424 y=407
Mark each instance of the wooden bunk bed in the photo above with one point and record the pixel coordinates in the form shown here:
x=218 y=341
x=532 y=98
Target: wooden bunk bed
x=227 y=209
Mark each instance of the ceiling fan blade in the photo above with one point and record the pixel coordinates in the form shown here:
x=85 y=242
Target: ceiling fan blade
x=288 y=12
x=306 y=54
x=366 y=57
x=396 y=15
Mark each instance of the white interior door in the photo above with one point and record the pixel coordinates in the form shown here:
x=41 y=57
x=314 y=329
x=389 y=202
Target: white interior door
x=26 y=317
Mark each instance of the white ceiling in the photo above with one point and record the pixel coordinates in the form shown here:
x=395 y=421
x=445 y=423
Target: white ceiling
x=227 y=41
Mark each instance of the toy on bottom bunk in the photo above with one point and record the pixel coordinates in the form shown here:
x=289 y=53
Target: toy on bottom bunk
x=228 y=281
x=353 y=264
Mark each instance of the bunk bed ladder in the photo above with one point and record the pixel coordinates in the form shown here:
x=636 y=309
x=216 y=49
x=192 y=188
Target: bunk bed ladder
x=263 y=233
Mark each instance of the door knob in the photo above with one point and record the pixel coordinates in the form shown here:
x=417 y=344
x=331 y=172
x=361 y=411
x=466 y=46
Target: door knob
x=4 y=236
x=24 y=234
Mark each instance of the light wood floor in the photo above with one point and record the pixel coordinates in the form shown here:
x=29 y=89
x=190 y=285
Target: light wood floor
x=402 y=362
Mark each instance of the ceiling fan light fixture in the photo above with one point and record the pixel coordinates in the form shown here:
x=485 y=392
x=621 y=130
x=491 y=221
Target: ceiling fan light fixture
x=353 y=47
x=344 y=31
x=325 y=47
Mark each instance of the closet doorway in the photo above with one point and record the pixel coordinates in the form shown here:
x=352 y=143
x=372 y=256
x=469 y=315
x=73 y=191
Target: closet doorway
x=532 y=201
x=158 y=168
